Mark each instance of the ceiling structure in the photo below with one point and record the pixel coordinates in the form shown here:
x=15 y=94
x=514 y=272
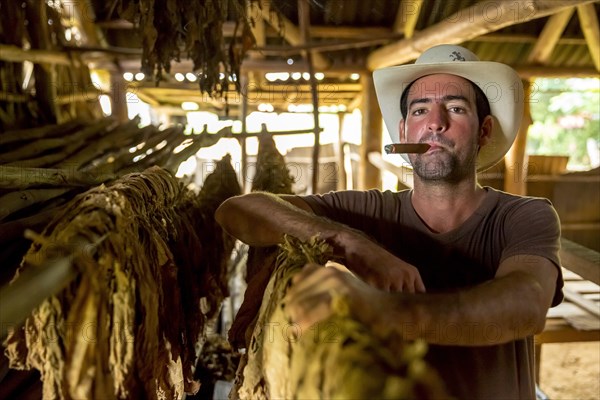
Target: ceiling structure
x=347 y=39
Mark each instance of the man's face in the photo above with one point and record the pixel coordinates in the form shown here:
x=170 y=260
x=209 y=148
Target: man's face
x=442 y=113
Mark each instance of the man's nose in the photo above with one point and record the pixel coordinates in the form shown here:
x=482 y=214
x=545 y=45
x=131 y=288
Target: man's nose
x=438 y=120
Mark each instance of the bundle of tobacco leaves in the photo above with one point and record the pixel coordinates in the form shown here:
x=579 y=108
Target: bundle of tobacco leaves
x=340 y=358
x=148 y=257
x=171 y=27
x=272 y=175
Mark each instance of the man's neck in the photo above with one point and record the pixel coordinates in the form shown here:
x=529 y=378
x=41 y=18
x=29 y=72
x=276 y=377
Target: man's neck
x=445 y=206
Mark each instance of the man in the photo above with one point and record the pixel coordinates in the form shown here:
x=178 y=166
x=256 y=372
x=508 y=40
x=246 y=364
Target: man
x=471 y=270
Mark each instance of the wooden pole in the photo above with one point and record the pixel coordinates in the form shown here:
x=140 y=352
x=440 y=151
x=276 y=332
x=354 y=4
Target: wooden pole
x=304 y=18
x=339 y=153
x=118 y=97
x=369 y=176
x=243 y=115
x=515 y=168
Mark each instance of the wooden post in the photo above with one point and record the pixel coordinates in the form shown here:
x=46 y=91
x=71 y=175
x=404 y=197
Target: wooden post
x=369 y=176
x=514 y=161
x=118 y=97
x=304 y=19
x=243 y=115
x=339 y=155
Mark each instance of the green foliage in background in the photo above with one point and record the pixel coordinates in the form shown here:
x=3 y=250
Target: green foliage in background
x=566 y=116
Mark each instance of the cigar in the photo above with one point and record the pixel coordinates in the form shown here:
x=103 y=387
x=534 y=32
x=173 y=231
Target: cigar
x=401 y=148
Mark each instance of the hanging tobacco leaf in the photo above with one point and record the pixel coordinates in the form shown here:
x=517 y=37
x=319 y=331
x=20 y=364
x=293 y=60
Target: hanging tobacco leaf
x=195 y=28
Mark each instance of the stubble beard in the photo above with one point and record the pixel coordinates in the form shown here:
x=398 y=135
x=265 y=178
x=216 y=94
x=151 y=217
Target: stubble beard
x=442 y=167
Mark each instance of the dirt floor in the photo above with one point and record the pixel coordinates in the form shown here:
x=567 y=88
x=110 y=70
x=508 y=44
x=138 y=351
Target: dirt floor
x=571 y=371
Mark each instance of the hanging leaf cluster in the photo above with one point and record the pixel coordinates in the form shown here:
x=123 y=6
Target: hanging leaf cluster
x=171 y=29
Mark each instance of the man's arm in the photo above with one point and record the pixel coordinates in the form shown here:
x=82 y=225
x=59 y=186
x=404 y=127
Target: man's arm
x=262 y=219
x=513 y=305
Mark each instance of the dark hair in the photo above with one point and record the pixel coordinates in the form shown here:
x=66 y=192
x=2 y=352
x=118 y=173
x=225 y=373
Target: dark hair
x=481 y=102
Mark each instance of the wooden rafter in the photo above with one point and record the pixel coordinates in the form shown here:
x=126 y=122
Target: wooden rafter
x=589 y=25
x=465 y=25
x=549 y=36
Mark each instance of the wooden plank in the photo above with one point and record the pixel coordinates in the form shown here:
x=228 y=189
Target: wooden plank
x=576 y=298
x=581 y=260
x=559 y=331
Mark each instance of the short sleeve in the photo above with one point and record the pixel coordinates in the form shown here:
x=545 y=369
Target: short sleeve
x=533 y=228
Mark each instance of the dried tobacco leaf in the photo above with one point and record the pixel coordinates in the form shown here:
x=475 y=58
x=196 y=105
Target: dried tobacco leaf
x=131 y=324
x=194 y=28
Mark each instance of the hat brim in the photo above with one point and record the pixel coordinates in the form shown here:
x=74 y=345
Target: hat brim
x=499 y=82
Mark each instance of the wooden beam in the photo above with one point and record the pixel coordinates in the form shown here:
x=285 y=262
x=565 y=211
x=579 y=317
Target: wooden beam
x=521 y=38
x=336 y=45
x=355 y=103
x=550 y=35
x=403 y=173
x=589 y=24
x=16 y=54
x=349 y=32
x=479 y=19
x=527 y=72
x=289 y=31
x=515 y=169
x=407 y=17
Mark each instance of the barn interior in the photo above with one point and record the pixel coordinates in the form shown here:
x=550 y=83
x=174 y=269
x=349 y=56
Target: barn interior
x=124 y=124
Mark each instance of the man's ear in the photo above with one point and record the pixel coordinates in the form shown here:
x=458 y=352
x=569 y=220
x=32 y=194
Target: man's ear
x=485 y=131
x=402 y=131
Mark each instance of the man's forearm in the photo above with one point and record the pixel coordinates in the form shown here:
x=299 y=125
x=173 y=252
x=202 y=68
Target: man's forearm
x=261 y=219
x=495 y=312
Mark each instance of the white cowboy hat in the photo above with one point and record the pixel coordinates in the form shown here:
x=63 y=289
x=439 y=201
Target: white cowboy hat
x=499 y=82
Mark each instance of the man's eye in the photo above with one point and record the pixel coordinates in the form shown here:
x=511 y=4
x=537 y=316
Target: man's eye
x=458 y=110
x=418 y=111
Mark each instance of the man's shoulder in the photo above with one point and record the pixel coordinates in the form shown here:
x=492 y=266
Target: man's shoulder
x=523 y=208
x=506 y=199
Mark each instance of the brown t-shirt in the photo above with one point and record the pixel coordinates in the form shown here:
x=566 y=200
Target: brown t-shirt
x=503 y=226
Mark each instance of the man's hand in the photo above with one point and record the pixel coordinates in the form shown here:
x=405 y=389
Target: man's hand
x=309 y=299
x=376 y=266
